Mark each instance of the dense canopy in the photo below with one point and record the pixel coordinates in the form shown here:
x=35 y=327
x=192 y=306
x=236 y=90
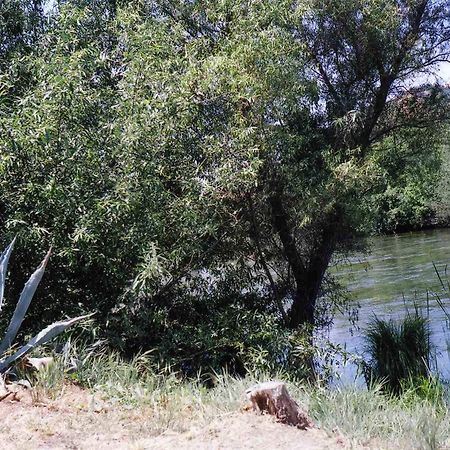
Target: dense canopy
x=197 y=165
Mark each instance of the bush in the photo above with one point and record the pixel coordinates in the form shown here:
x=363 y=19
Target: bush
x=398 y=351
x=404 y=198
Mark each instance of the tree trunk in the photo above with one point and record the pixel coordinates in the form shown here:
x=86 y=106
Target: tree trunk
x=309 y=284
x=302 y=310
x=308 y=272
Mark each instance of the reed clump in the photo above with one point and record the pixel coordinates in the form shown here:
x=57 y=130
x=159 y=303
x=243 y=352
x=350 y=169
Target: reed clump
x=398 y=351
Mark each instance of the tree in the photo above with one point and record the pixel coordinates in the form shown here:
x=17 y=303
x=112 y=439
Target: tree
x=361 y=55
x=405 y=200
x=21 y=24
x=197 y=165
x=356 y=59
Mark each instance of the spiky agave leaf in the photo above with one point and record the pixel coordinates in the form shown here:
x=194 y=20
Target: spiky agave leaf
x=4 y=259
x=41 y=338
x=23 y=304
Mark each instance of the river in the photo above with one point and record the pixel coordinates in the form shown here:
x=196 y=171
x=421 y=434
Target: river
x=396 y=274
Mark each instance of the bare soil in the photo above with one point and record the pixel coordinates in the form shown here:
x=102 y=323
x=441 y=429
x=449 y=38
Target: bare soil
x=246 y=431
x=77 y=420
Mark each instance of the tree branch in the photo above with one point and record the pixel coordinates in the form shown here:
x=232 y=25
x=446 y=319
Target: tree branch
x=262 y=259
x=281 y=225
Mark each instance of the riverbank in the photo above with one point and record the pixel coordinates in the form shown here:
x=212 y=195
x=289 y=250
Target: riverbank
x=64 y=425
x=436 y=223
x=109 y=403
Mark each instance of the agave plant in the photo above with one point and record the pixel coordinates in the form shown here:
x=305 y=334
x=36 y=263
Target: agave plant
x=26 y=296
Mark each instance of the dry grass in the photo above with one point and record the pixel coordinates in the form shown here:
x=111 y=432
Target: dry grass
x=124 y=405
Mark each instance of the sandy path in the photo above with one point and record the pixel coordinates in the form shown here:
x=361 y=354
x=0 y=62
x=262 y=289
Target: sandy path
x=246 y=431
x=68 y=424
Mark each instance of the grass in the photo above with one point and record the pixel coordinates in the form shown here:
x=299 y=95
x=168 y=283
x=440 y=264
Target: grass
x=398 y=350
x=417 y=419
x=371 y=418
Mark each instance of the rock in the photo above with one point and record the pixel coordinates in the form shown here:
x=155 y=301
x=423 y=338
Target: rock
x=273 y=398
x=12 y=389
x=38 y=363
x=24 y=383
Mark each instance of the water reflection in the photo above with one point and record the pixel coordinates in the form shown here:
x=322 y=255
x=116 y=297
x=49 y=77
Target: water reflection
x=396 y=275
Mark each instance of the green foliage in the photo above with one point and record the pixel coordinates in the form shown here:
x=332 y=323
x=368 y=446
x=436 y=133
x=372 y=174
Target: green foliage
x=369 y=416
x=410 y=180
x=398 y=351
x=428 y=388
x=47 y=382
x=196 y=165
x=205 y=334
x=21 y=24
x=441 y=201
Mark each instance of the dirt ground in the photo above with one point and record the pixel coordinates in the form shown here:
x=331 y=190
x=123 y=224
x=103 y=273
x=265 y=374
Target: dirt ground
x=245 y=431
x=78 y=421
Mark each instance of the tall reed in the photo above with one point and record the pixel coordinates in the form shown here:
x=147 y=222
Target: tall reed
x=398 y=350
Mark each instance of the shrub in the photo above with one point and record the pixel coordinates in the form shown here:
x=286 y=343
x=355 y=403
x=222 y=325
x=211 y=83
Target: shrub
x=398 y=351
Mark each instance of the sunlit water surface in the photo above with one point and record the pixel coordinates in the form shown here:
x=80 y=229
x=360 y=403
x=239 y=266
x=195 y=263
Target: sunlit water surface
x=396 y=275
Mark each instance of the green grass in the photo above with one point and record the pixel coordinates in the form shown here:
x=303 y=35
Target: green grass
x=371 y=418
x=416 y=419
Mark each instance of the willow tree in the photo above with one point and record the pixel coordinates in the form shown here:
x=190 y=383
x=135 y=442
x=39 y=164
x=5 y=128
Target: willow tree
x=244 y=138
x=21 y=24
x=317 y=86
x=363 y=55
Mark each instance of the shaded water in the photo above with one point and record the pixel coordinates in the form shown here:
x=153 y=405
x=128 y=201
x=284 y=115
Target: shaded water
x=396 y=275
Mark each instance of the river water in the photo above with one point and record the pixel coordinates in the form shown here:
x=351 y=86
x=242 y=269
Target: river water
x=395 y=275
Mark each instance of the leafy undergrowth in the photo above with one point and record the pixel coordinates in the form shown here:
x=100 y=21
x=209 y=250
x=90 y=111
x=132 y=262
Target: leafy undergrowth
x=367 y=418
